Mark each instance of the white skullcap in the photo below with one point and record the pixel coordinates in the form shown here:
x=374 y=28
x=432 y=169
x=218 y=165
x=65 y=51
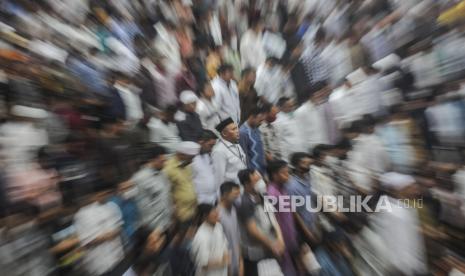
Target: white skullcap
x=188 y=148
x=28 y=112
x=356 y=76
x=188 y=97
x=387 y=62
x=396 y=181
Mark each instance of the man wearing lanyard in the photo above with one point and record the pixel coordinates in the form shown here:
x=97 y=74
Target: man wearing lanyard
x=228 y=156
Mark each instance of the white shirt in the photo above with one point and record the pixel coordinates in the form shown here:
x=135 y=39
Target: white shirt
x=367 y=160
x=399 y=228
x=19 y=141
x=92 y=221
x=167 y=45
x=203 y=176
x=271 y=83
x=251 y=49
x=131 y=102
x=228 y=160
x=288 y=130
x=313 y=128
x=209 y=113
x=227 y=99
x=209 y=244
x=166 y=135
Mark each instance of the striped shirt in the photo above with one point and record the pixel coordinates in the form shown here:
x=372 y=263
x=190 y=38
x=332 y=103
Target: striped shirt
x=251 y=143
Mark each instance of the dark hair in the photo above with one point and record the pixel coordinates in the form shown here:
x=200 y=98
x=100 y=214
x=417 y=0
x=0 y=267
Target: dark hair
x=224 y=67
x=274 y=166
x=344 y=144
x=282 y=101
x=247 y=71
x=154 y=151
x=207 y=135
x=297 y=157
x=319 y=149
x=273 y=60
x=203 y=210
x=244 y=176
x=260 y=109
x=367 y=122
x=171 y=109
x=227 y=187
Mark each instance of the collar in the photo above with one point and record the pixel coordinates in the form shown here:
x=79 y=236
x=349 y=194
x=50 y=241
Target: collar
x=227 y=143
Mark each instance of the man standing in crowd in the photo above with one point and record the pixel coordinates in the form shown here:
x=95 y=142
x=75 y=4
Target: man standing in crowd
x=247 y=95
x=230 y=192
x=271 y=82
x=153 y=191
x=251 y=141
x=228 y=156
x=278 y=172
x=203 y=172
x=189 y=124
x=227 y=94
x=287 y=128
x=207 y=107
x=163 y=130
x=299 y=185
x=98 y=226
x=179 y=172
x=271 y=138
x=251 y=48
x=260 y=233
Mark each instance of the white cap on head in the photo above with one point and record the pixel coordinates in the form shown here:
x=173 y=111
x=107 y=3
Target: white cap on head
x=28 y=112
x=188 y=148
x=188 y=97
x=387 y=62
x=396 y=181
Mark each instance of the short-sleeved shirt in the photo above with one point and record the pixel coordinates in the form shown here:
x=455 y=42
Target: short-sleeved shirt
x=209 y=244
x=252 y=209
x=92 y=221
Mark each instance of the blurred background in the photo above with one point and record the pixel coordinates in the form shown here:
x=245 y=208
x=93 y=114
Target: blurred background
x=372 y=91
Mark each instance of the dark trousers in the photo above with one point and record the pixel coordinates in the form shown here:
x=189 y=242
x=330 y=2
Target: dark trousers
x=250 y=268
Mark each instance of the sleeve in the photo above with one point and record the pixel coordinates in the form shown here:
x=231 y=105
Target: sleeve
x=244 y=142
x=245 y=211
x=85 y=234
x=260 y=84
x=200 y=250
x=219 y=164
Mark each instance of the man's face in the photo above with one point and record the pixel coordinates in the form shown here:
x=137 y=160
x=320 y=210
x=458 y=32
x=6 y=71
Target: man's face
x=159 y=162
x=185 y=159
x=288 y=106
x=282 y=176
x=207 y=145
x=255 y=177
x=227 y=75
x=231 y=133
x=251 y=77
x=190 y=107
x=233 y=195
x=258 y=120
x=213 y=217
x=304 y=165
x=271 y=116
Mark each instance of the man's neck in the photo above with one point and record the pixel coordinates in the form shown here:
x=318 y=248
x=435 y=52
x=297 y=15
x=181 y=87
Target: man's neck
x=226 y=205
x=250 y=124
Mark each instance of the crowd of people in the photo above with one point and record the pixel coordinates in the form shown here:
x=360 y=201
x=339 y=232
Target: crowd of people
x=142 y=137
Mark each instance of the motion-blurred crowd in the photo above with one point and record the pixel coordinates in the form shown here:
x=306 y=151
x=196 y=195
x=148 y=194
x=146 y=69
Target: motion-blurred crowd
x=139 y=137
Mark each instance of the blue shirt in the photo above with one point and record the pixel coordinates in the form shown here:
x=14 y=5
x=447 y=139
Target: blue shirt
x=130 y=215
x=251 y=142
x=301 y=187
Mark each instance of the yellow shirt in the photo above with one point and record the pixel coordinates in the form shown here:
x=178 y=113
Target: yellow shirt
x=182 y=189
x=452 y=15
